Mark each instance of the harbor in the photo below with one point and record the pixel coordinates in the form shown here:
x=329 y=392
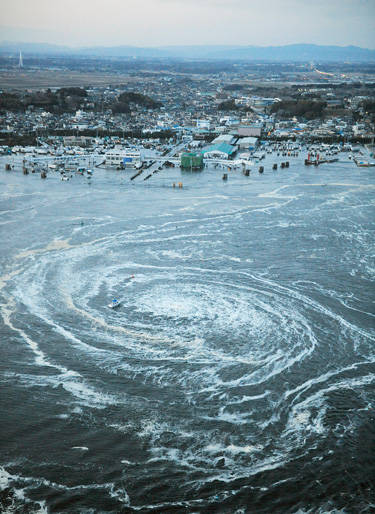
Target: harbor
x=177 y=161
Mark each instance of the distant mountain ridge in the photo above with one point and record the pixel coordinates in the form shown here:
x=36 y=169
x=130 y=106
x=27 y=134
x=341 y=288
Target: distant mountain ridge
x=294 y=52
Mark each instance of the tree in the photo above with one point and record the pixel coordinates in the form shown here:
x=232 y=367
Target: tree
x=138 y=99
x=308 y=109
x=227 y=105
x=10 y=102
x=120 y=108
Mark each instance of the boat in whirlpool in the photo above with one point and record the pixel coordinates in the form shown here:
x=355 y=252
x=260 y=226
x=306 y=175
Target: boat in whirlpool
x=115 y=303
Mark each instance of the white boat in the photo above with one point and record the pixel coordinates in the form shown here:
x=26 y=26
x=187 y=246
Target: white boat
x=115 y=303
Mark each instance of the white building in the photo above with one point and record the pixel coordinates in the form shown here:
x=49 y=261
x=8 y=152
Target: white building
x=203 y=124
x=250 y=130
x=225 y=138
x=229 y=121
x=123 y=157
x=195 y=144
x=248 y=143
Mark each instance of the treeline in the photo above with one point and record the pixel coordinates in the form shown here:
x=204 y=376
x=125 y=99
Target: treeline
x=369 y=105
x=341 y=85
x=307 y=109
x=236 y=87
x=67 y=99
x=13 y=138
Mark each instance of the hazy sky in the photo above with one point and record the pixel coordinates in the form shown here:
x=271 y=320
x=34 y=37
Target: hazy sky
x=189 y=22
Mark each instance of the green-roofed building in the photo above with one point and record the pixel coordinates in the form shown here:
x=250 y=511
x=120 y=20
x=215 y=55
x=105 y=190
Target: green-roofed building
x=220 y=151
x=190 y=160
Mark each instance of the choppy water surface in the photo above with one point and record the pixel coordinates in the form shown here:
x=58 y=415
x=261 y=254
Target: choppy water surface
x=238 y=373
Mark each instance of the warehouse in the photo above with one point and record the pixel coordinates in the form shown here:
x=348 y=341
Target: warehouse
x=248 y=143
x=249 y=130
x=229 y=139
x=220 y=151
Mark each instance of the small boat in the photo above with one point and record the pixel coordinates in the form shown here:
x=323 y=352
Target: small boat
x=115 y=303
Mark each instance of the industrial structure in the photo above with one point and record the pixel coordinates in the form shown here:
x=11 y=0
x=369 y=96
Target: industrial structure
x=190 y=160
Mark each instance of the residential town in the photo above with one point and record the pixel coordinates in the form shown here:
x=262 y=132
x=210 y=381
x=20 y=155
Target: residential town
x=217 y=113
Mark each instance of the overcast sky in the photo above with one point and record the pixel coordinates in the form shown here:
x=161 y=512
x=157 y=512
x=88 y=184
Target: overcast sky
x=189 y=22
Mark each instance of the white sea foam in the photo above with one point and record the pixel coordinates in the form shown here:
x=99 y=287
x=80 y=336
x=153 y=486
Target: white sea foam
x=57 y=244
x=232 y=449
x=40 y=357
x=7 y=481
x=4 y=478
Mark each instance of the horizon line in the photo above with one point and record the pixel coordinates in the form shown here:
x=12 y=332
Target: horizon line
x=231 y=45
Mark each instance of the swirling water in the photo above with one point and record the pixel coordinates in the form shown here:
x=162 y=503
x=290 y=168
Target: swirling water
x=238 y=373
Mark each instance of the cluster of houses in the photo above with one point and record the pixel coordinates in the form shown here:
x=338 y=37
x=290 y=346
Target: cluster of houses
x=190 y=107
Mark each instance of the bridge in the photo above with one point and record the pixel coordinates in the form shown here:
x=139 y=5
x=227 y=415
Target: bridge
x=62 y=159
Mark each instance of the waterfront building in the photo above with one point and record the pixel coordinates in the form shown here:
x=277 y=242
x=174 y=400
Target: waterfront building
x=219 y=151
x=229 y=139
x=190 y=160
x=249 y=130
x=248 y=143
x=123 y=157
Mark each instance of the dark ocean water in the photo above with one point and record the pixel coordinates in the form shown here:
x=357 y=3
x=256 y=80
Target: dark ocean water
x=238 y=373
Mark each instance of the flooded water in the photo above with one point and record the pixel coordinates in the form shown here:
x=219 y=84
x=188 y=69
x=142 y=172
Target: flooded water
x=236 y=376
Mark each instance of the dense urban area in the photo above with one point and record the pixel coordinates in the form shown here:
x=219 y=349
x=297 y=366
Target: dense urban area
x=212 y=107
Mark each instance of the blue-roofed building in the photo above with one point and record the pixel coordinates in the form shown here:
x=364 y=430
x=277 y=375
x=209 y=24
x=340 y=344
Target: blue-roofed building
x=219 y=151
